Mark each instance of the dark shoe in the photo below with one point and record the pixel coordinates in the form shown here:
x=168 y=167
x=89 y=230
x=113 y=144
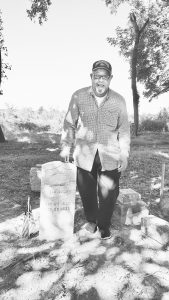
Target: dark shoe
x=105 y=234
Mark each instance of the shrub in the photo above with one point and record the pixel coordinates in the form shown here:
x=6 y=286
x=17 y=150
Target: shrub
x=163 y=115
x=41 y=120
x=153 y=125
x=30 y=126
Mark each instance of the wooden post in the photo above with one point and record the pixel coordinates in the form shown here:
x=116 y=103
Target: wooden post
x=162 y=181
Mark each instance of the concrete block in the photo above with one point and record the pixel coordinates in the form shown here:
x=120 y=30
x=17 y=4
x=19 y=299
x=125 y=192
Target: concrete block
x=155 y=228
x=132 y=208
x=35 y=178
x=128 y=196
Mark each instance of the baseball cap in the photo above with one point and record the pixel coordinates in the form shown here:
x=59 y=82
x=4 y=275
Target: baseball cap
x=102 y=64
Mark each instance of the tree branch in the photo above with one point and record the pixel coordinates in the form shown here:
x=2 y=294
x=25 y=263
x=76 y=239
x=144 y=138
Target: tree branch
x=135 y=25
x=134 y=22
x=166 y=89
x=144 y=26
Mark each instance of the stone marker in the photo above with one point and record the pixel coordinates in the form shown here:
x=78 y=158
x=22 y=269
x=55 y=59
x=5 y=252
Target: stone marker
x=35 y=178
x=155 y=228
x=132 y=208
x=57 y=200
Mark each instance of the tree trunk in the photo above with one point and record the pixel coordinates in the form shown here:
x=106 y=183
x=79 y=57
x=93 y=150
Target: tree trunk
x=2 y=138
x=134 y=57
x=136 y=114
x=134 y=84
x=0 y=67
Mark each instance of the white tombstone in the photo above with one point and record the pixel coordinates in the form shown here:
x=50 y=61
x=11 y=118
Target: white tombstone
x=57 y=200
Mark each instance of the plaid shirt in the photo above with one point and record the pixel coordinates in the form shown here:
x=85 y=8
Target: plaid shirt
x=89 y=127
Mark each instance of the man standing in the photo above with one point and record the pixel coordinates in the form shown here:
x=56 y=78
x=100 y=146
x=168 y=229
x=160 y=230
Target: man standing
x=97 y=125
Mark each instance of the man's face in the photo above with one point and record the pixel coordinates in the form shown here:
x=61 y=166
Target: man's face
x=100 y=82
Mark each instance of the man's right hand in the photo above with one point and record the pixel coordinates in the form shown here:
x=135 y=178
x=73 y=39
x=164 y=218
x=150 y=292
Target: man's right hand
x=65 y=154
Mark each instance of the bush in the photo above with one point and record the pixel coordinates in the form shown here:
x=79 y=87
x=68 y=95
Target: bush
x=41 y=120
x=153 y=125
x=163 y=115
x=30 y=126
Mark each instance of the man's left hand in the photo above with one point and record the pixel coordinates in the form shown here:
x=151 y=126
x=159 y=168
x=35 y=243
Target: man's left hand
x=122 y=164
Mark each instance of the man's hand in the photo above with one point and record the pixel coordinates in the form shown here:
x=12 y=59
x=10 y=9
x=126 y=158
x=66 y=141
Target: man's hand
x=65 y=154
x=122 y=163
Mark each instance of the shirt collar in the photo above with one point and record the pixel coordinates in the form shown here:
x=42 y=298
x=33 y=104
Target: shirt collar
x=93 y=94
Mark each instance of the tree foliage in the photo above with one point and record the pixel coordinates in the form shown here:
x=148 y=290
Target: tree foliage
x=4 y=66
x=39 y=9
x=153 y=48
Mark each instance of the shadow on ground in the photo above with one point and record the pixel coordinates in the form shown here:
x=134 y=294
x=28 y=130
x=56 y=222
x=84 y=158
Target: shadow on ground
x=128 y=266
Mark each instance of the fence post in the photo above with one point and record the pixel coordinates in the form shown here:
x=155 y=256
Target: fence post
x=162 y=181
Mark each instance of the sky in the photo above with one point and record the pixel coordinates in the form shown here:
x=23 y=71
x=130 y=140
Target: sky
x=50 y=62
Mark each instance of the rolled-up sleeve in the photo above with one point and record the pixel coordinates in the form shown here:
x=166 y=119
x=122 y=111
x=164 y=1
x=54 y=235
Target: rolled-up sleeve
x=70 y=122
x=124 y=130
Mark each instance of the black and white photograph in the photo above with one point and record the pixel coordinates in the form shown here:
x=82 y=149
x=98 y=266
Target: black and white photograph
x=84 y=149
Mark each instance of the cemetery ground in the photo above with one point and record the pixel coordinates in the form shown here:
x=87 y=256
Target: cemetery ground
x=127 y=266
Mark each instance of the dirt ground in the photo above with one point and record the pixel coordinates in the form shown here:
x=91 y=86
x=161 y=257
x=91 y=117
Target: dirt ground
x=128 y=266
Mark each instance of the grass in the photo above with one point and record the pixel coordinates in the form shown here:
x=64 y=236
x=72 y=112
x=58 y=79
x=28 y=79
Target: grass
x=148 y=152
x=17 y=158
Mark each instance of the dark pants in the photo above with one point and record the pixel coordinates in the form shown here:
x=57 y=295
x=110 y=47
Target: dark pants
x=99 y=191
